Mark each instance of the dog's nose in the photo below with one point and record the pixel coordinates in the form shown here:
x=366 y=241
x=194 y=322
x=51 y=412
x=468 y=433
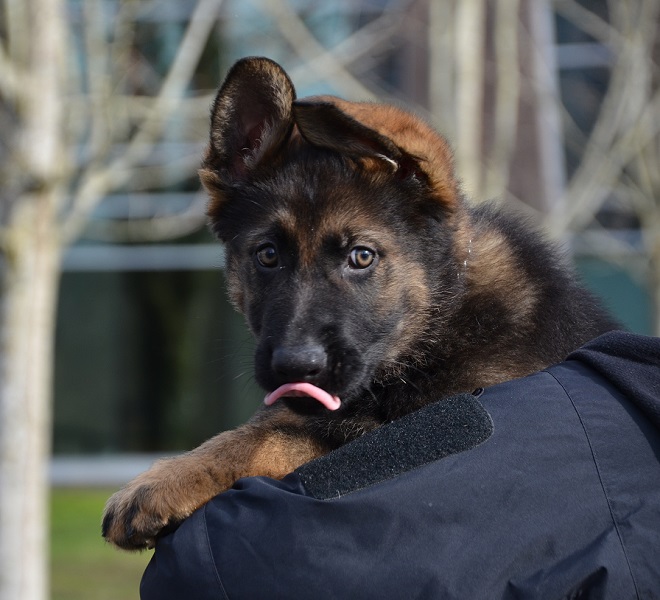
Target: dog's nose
x=299 y=363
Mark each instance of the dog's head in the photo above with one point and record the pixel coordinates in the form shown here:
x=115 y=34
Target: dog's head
x=337 y=219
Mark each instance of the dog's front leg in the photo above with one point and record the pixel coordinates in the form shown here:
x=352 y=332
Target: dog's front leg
x=273 y=443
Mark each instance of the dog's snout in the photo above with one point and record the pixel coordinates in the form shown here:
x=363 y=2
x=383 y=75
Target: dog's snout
x=299 y=363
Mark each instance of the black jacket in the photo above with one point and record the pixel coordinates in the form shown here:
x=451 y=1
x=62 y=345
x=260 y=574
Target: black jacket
x=545 y=487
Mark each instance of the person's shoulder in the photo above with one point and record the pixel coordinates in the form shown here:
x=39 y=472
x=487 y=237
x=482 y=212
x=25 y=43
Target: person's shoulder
x=622 y=345
x=631 y=363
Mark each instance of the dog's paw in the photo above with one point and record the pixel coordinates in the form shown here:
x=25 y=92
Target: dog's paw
x=155 y=502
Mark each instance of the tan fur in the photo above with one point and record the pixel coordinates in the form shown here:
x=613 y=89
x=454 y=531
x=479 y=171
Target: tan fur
x=407 y=279
x=412 y=134
x=175 y=487
x=490 y=267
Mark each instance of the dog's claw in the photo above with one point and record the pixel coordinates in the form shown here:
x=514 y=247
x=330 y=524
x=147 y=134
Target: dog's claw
x=155 y=501
x=129 y=521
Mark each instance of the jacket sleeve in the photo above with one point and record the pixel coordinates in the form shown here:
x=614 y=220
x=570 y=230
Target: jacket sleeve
x=183 y=567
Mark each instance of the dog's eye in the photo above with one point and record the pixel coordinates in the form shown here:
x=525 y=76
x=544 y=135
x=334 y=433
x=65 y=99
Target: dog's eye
x=267 y=256
x=361 y=257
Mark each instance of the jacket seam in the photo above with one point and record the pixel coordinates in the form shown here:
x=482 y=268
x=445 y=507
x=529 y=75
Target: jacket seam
x=602 y=483
x=210 y=551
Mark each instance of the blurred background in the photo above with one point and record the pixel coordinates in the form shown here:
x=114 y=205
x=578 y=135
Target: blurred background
x=117 y=343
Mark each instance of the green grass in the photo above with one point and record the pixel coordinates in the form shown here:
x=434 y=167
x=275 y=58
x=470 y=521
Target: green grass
x=83 y=565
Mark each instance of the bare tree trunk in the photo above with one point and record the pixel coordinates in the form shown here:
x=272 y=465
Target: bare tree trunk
x=469 y=51
x=30 y=265
x=30 y=274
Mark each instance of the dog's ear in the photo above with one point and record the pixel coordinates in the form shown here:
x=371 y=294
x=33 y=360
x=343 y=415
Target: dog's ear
x=250 y=119
x=389 y=138
x=325 y=125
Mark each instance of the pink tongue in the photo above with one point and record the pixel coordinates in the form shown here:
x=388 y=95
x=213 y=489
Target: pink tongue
x=303 y=389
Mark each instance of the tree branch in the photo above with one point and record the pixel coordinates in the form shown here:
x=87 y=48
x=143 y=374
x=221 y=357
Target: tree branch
x=624 y=109
x=507 y=93
x=470 y=34
x=155 y=229
x=12 y=78
x=307 y=46
x=98 y=180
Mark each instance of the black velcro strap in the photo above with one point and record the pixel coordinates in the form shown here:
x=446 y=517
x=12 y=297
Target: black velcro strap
x=446 y=427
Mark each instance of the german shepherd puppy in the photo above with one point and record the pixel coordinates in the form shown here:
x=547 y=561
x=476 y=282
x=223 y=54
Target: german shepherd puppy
x=370 y=284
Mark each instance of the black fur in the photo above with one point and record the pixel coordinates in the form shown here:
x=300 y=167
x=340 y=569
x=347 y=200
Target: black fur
x=457 y=297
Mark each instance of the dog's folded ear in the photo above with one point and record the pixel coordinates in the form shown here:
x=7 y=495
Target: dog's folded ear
x=386 y=136
x=250 y=119
x=325 y=125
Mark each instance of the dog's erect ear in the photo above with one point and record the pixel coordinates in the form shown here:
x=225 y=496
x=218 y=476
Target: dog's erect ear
x=250 y=118
x=386 y=135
